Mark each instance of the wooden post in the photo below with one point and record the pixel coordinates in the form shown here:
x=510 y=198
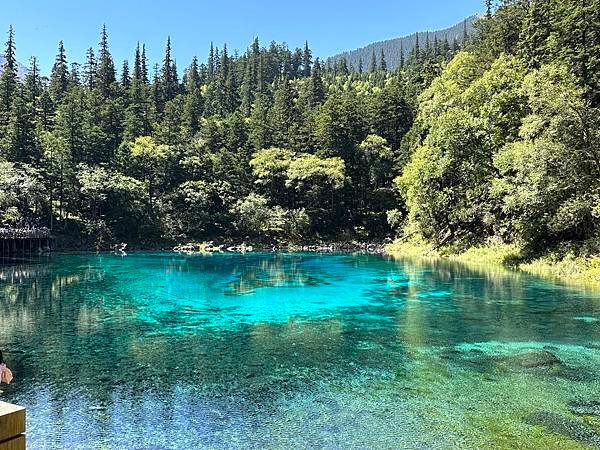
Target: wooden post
x=12 y=427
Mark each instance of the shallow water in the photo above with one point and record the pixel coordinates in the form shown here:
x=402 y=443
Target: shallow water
x=164 y=351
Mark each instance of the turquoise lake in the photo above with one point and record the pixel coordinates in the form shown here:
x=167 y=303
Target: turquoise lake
x=166 y=351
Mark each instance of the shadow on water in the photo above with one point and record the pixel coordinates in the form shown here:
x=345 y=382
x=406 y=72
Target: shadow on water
x=309 y=349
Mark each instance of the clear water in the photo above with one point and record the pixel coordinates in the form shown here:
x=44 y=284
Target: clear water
x=163 y=351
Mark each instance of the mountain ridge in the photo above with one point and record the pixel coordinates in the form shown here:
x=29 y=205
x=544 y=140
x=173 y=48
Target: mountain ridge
x=391 y=47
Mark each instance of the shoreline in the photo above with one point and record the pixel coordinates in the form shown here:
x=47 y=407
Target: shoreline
x=572 y=270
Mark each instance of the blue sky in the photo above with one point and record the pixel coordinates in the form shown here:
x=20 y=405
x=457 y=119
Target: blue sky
x=329 y=26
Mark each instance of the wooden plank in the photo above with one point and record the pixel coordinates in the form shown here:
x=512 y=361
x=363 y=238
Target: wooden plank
x=17 y=443
x=12 y=421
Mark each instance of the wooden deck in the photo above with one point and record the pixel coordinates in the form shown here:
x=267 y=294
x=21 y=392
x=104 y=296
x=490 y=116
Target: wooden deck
x=12 y=427
x=24 y=241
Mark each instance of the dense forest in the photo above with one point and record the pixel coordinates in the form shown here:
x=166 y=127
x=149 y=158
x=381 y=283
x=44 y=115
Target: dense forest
x=494 y=136
x=397 y=49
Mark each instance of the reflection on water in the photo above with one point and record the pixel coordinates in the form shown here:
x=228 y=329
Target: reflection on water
x=297 y=350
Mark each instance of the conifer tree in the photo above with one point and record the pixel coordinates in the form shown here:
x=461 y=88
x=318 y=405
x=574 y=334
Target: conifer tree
x=211 y=62
x=137 y=65
x=59 y=80
x=33 y=85
x=144 y=65
x=317 y=89
x=169 y=74
x=8 y=79
x=105 y=74
x=382 y=62
x=90 y=69
x=373 y=65
x=306 y=61
x=401 y=62
x=125 y=78
x=536 y=32
x=74 y=77
x=417 y=49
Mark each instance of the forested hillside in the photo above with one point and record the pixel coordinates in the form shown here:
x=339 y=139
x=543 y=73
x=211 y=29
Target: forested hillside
x=269 y=144
x=494 y=138
x=395 y=51
x=506 y=142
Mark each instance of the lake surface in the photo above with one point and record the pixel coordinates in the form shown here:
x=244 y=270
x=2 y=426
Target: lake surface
x=165 y=351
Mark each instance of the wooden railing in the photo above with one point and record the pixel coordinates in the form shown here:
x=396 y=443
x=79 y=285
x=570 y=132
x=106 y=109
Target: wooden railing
x=12 y=427
x=25 y=233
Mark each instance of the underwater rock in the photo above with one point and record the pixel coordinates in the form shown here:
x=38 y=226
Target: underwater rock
x=534 y=359
x=585 y=408
x=557 y=424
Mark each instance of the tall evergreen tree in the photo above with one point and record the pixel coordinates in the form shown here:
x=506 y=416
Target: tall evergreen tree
x=89 y=69
x=144 y=65
x=33 y=85
x=169 y=80
x=373 y=65
x=105 y=74
x=8 y=79
x=59 y=80
x=125 y=78
x=306 y=61
x=74 y=77
x=382 y=62
x=317 y=88
x=401 y=62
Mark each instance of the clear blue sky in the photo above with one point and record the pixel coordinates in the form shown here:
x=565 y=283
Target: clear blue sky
x=330 y=26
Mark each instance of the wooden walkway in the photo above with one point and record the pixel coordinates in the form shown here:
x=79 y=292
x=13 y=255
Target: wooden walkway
x=12 y=427
x=24 y=241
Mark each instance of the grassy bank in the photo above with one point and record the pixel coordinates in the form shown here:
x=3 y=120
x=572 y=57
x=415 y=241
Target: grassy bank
x=567 y=267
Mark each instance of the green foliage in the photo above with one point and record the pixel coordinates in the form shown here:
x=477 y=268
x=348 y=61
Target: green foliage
x=23 y=195
x=492 y=136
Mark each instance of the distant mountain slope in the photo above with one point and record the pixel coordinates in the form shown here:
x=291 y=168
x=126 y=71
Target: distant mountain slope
x=391 y=47
x=21 y=69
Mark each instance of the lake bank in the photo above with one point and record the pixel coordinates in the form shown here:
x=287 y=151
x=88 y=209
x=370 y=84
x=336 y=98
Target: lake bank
x=568 y=268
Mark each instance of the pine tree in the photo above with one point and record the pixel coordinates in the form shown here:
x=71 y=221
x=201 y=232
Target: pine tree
x=306 y=61
x=193 y=76
x=373 y=65
x=417 y=49
x=89 y=69
x=317 y=89
x=137 y=74
x=8 y=79
x=33 y=85
x=74 y=77
x=360 y=65
x=21 y=131
x=382 y=62
x=144 y=66
x=157 y=93
x=125 y=78
x=169 y=74
x=59 y=79
x=401 y=62
x=106 y=74
x=536 y=32
x=211 y=62
x=283 y=113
